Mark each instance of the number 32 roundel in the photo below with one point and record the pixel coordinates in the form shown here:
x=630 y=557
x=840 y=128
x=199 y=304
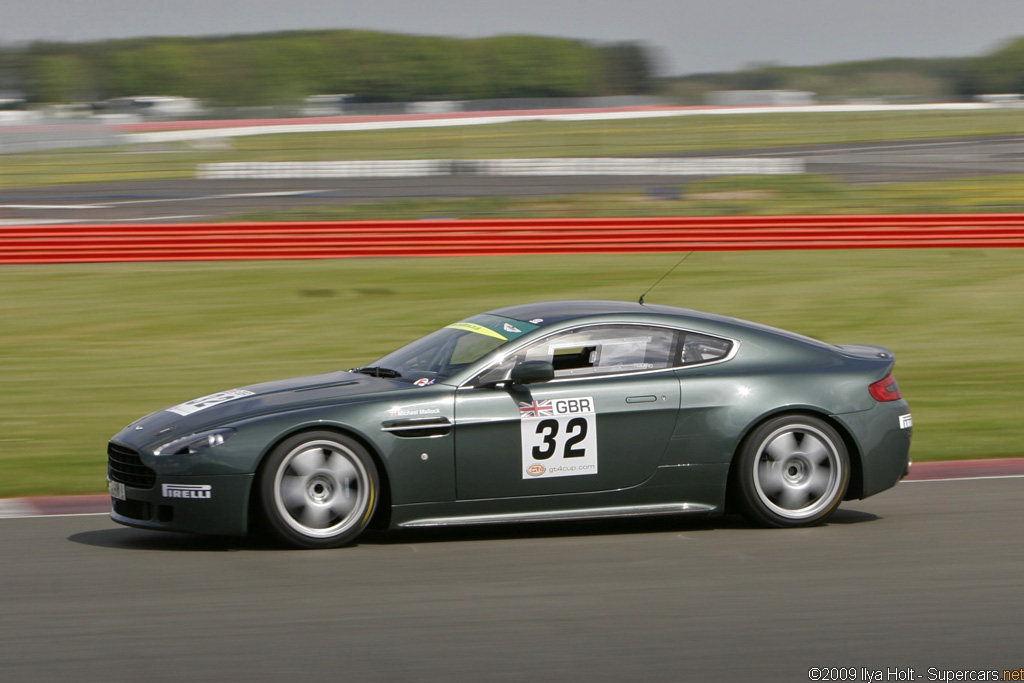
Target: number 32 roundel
x=559 y=437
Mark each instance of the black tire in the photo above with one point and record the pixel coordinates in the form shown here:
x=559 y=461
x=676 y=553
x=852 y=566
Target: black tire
x=792 y=471
x=318 y=490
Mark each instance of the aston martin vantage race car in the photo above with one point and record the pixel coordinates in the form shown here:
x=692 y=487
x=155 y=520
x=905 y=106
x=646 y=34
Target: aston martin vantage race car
x=544 y=411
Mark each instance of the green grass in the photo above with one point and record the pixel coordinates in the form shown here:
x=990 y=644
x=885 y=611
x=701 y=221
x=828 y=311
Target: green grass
x=635 y=137
x=88 y=348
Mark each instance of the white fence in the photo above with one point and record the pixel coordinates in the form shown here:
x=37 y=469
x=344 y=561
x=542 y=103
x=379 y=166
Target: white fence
x=419 y=168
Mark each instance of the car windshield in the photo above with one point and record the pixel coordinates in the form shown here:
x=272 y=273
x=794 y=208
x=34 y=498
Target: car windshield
x=443 y=353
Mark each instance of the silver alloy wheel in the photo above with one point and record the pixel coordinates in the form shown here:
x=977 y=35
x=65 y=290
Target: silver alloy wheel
x=321 y=489
x=798 y=471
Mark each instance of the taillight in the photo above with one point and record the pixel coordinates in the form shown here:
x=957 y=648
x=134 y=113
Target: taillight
x=885 y=389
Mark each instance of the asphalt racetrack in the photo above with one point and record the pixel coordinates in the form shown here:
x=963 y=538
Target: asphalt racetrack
x=926 y=576
x=200 y=200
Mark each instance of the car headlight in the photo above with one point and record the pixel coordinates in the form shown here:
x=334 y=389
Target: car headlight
x=195 y=443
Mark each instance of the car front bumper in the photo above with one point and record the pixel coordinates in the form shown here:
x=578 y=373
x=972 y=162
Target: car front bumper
x=216 y=505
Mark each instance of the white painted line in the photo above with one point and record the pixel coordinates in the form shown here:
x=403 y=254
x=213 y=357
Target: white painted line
x=293 y=193
x=147 y=219
x=73 y=221
x=242 y=195
x=157 y=200
x=868 y=147
x=63 y=514
x=277 y=129
x=15 y=508
x=23 y=223
x=994 y=476
x=54 y=206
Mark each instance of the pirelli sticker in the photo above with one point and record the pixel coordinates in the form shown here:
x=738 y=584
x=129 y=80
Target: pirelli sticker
x=194 y=491
x=559 y=437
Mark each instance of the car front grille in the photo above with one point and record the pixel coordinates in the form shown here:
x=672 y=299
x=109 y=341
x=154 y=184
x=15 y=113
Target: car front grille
x=125 y=465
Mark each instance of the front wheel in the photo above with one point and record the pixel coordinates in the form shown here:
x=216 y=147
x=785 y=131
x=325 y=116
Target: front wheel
x=792 y=471
x=318 y=490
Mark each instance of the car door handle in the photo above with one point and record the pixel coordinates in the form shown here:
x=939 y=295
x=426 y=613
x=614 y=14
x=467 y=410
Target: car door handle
x=641 y=399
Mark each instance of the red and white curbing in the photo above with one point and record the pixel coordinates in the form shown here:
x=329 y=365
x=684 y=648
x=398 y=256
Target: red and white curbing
x=996 y=468
x=948 y=470
x=49 y=506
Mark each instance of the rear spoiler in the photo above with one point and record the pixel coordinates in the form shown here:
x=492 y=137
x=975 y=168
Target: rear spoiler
x=867 y=351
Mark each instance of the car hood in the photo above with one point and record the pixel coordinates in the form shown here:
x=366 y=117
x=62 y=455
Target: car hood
x=257 y=399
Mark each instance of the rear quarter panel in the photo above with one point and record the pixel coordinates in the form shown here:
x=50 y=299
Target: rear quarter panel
x=769 y=375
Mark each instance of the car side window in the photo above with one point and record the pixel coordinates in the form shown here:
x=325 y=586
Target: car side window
x=700 y=348
x=609 y=349
x=614 y=349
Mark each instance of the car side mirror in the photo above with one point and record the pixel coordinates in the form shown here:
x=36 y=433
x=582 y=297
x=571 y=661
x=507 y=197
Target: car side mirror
x=532 y=372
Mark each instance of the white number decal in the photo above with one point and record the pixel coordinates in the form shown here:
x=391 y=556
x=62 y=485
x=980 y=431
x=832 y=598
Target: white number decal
x=559 y=438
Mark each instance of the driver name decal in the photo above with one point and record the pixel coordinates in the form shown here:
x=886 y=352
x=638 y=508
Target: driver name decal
x=559 y=437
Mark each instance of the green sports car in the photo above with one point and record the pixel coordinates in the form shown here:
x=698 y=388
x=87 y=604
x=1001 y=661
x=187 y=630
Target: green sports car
x=545 y=411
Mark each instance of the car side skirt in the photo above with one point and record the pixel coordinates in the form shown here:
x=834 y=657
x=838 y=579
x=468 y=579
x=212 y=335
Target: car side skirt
x=563 y=515
x=671 y=490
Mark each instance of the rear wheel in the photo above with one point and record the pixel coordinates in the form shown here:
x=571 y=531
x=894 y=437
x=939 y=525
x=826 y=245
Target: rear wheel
x=792 y=471
x=318 y=490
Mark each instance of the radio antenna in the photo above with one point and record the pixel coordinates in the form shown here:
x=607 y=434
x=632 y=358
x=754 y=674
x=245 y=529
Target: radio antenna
x=678 y=263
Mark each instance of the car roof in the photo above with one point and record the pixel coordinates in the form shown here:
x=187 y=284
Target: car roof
x=554 y=312
x=560 y=311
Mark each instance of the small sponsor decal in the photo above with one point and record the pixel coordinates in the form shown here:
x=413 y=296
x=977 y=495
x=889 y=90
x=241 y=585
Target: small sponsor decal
x=116 y=490
x=479 y=329
x=512 y=328
x=202 y=491
x=906 y=421
x=424 y=382
x=536 y=470
x=537 y=321
x=197 y=404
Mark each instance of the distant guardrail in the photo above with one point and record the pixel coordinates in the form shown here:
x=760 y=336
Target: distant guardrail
x=559 y=166
x=331 y=240
x=22 y=132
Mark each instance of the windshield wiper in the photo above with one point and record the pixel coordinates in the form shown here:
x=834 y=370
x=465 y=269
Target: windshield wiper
x=377 y=371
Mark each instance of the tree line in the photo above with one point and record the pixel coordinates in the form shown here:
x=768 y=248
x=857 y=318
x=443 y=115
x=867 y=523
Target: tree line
x=282 y=68
x=1001 y=71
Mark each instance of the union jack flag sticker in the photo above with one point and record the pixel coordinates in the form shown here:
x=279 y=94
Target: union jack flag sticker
x=536 y=409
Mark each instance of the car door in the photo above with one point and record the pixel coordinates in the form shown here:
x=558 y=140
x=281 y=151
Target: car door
x=603 y=423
